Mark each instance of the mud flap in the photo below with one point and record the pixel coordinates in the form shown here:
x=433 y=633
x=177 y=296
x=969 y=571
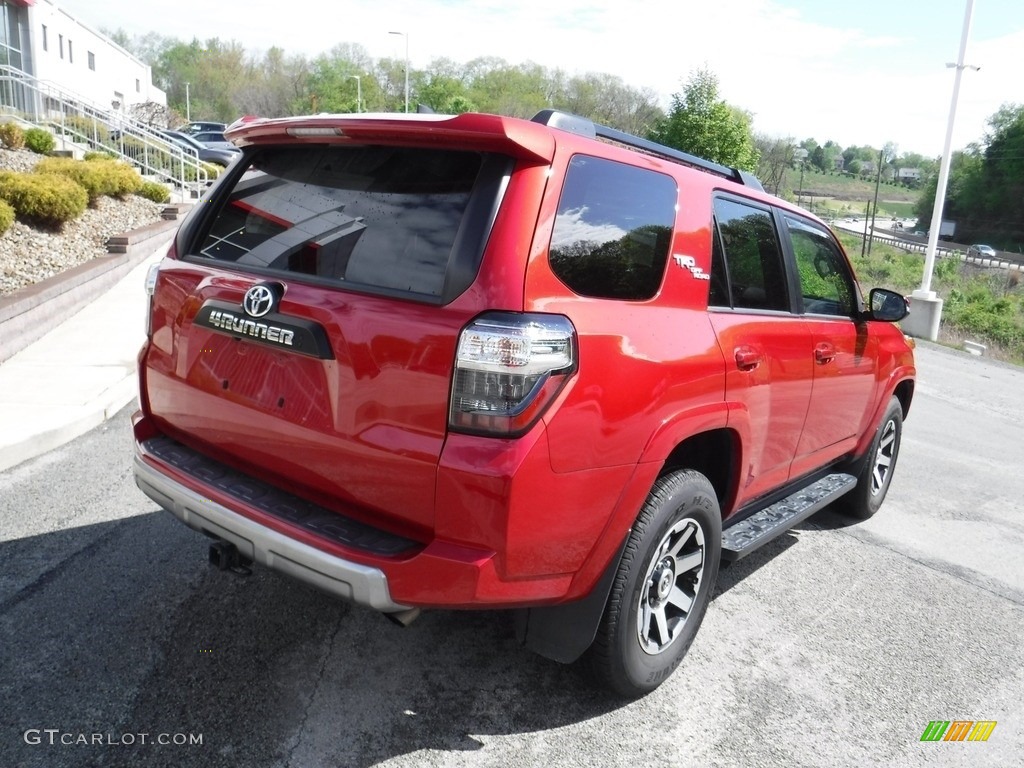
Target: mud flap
x=564 y=632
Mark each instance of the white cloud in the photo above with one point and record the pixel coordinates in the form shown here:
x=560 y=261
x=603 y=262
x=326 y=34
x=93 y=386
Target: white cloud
x=571 y=227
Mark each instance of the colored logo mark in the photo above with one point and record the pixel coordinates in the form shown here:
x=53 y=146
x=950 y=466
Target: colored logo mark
x=958 y=730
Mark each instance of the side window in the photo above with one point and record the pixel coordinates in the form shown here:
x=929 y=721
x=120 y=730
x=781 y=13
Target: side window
x=613 y=229
x=825 y=281
x=746 y=259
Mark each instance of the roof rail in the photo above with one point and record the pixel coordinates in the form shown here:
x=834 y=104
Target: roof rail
x=583 y=126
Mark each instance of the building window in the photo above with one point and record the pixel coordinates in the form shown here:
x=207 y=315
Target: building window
x=46 y=42
x=138 y=86
x=10 y=35
x=61 y=37
x=71 y=56
x=92 y=61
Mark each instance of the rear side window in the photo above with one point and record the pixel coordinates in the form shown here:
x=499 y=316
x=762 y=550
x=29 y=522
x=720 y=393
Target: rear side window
x=382 y=219
x=746 y=270
x=613 y=229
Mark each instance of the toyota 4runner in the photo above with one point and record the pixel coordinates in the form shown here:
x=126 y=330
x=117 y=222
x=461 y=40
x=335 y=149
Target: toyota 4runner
x=483 y=362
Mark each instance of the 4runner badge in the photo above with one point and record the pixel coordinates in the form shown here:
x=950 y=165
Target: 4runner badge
x=258 y=301
x=688 y=262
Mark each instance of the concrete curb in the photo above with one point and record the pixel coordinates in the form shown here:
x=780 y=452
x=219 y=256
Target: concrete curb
x=31 y=312
x=61 y=425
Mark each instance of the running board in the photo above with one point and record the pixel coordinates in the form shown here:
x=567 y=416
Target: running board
x=744 y=537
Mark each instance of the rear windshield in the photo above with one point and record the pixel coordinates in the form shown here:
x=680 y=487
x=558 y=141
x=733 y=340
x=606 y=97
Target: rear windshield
x=378 y=218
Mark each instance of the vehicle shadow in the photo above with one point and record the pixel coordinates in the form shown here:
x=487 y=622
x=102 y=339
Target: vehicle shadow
x=732 y=574
x=132 y=633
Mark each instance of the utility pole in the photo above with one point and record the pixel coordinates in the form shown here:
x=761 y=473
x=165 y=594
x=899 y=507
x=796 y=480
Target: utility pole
x=406 y=36
x=800 y=195
x=867 y=215
x=878 y=181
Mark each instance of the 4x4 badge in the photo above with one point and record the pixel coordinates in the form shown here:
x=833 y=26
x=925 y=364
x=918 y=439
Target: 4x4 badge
x=258 y=301
x=688 y=262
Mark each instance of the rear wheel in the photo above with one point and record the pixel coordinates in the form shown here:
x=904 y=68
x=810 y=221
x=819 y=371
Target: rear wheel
x=663 y=585
x=873 y=483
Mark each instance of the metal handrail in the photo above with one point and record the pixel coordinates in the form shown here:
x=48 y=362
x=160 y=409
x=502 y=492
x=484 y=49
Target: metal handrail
x=100 y=129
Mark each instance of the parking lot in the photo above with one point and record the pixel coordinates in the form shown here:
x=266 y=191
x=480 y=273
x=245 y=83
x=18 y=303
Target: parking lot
x=835 y=645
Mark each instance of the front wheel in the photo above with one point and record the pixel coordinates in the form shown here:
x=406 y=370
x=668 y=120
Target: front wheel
x=662 y=587
x=874 y=479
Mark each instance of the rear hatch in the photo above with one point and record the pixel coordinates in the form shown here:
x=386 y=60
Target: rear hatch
x=305 y=329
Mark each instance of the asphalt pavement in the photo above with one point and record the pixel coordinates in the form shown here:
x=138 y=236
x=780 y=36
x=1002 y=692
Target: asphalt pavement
x=835 y=645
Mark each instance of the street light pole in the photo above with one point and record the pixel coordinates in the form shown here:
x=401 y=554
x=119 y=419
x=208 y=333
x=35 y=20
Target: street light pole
x=926 y=306
x=359 y=92
x=406 y=36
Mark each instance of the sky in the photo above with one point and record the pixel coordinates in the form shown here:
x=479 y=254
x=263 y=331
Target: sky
x=868 y=72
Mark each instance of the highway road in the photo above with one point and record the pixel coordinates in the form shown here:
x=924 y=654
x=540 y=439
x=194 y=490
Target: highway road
x=834 y=646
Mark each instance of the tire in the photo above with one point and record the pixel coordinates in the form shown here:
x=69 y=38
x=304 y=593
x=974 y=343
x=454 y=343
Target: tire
x=662 y=586
x=879 y=464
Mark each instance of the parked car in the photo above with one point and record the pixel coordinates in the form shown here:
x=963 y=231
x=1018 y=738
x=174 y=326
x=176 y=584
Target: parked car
x=214 y=140
x=422 y=361
x=198 y=126
x=222 y=157
x=980 y=251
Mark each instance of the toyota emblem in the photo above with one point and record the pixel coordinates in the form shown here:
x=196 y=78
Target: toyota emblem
x=258 y=301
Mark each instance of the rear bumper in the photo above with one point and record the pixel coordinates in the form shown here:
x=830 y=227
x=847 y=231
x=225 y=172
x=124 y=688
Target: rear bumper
x=351 y=581
x=510 y=533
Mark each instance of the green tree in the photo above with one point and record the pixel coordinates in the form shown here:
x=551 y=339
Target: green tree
x=818 y=159
x=985 y=194
x=702 y=124
x=518 y=90
x=442 y=88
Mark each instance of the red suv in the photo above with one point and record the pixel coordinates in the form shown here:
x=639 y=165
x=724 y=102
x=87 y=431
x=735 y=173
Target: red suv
x=481 y=362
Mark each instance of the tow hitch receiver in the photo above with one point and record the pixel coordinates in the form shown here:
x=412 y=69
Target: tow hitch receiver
x=224 y=556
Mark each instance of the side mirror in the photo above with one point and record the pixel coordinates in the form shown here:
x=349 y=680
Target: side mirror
x=888 y=306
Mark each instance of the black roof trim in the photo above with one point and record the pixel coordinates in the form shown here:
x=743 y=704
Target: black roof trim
x=584 y=127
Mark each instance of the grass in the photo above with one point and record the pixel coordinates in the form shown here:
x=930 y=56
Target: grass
x=985 y=305
x=843 y=187
x=833 y=195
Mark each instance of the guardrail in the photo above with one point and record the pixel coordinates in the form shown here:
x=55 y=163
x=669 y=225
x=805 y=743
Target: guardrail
x=1002 y=260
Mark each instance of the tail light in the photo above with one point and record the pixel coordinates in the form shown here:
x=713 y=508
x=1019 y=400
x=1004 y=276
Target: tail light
x=152 y=274
x=150 y=286
x=508 y=369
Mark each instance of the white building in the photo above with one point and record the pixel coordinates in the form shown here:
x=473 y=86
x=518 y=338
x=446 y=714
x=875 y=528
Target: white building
x=46 y=42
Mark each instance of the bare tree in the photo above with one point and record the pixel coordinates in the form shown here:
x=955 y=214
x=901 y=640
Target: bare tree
x=777 y=155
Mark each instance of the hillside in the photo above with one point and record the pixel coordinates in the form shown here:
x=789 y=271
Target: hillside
x=839 y=195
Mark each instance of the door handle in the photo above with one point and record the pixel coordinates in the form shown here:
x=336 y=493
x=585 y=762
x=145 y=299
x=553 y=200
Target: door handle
x=747 y=359
x=824 y=353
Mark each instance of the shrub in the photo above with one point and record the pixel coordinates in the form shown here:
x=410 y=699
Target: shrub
x=11 y=136
x=102 y=155
x=79 y=125
x=98 y=177
x=6 y=216
x=154 y=191
x=40 y=141
x=212 y=170
x=43 y=198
